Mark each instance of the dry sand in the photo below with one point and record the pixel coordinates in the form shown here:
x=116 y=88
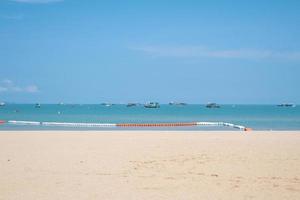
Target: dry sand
x=149 y=165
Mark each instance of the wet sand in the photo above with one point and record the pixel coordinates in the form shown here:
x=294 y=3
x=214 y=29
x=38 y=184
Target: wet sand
x=149 y=165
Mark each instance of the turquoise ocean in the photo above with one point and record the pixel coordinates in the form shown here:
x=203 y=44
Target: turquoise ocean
x=257 y=117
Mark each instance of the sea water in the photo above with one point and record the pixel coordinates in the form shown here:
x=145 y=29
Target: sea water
x=258 y=117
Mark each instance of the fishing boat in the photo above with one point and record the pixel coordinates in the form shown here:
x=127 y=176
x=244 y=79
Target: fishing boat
x=212 y=105
x=152 y=105
x=37 y=105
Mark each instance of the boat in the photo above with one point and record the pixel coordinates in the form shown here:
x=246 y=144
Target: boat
x=286 y=105
x=182 y=104
x=212 y=105
x=131 y=104
x=172 y=103
x=2 y=104
x=106 y=104
x=37 y=105
x=152 y=105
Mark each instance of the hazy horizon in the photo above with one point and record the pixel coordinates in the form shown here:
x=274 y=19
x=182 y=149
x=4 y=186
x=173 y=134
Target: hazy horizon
x=162 y=103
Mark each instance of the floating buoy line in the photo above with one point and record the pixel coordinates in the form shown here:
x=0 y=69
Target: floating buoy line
x=176 y=124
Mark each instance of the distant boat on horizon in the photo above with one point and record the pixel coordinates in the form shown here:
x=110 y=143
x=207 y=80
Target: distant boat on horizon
x=152 y=105
x=286 y=105
x=177 y=103
x=106 y=104
x=37 y=105
x=131 y=104
x=2 y=104
x=212 y=105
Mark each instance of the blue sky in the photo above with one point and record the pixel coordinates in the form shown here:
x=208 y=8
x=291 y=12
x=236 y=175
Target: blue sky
x=133 y=51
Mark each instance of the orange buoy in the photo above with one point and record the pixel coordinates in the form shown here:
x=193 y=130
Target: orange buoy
x=248 y=129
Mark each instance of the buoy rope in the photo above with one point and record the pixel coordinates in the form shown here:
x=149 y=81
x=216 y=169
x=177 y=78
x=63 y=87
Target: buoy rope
x=176 y=124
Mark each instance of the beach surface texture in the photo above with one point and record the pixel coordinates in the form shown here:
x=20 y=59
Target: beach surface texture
x=49 y=165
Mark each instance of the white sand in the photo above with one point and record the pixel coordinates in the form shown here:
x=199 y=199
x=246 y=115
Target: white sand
x=52 y=165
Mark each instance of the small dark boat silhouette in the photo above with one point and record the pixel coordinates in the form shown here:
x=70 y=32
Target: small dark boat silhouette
x=212 y=105
x=131 y=104
x=286 y=105
x=152 y=105
x=172 y=103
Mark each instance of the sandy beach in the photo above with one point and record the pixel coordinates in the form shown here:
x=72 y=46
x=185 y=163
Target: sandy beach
x=149 y=165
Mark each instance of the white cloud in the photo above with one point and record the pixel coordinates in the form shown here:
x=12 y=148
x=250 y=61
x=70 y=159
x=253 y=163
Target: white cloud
x=199 y=51
x=36 y=1
x=7 y=85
